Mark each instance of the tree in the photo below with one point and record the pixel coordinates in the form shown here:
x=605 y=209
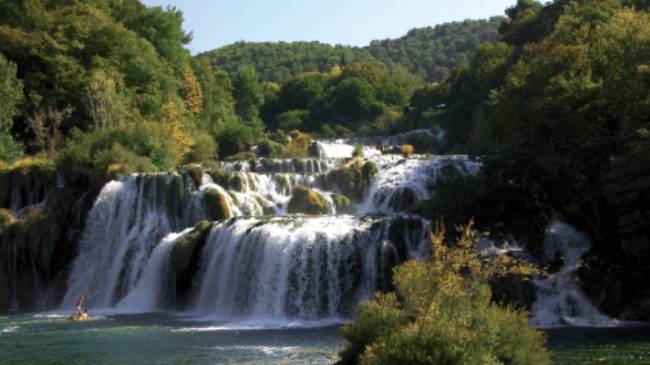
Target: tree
x=441 y=313
x=248 y=94
x=11 y=95
x=191 y=91
x=105 y=104
x=45 y=124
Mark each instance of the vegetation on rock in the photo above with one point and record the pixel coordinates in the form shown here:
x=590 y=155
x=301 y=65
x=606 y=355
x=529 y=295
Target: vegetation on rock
x=306 y=201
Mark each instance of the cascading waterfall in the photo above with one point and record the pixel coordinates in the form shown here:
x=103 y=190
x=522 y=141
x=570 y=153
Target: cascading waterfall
x=265 y=264
x=560 y=302
x=299 y=267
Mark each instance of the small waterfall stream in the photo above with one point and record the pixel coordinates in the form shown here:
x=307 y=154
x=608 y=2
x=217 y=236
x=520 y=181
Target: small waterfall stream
x=560 y=302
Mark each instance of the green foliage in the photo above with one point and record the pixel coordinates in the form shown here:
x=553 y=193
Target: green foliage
x=431 y=53
x=133 y=147
x=281 y=61
x=306 y=201
x=11 y=95
x=355 y=95
x=233 y=136
x=248 y=93
x=441 y=313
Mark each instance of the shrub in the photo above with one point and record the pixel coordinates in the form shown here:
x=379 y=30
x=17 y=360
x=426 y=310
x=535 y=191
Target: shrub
x=441 y=313
x=203 y=149
x=135 y=147
x=407 y=150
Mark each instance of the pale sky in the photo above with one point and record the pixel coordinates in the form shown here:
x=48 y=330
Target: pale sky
x=349 y=22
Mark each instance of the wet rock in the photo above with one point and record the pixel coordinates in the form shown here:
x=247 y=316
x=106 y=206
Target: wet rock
x=184 y=263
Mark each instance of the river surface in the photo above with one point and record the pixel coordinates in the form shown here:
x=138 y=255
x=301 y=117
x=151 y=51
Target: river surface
x=172 y=339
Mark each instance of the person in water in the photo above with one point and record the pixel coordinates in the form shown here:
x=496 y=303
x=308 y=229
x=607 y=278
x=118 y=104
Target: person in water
x=79 y=305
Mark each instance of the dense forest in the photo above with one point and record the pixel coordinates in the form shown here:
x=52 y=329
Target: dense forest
x=428 y=53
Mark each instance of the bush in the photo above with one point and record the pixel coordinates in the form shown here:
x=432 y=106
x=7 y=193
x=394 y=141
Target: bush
x=407 y=150
x=134 y=147
x=203 y=149
x=441 y=313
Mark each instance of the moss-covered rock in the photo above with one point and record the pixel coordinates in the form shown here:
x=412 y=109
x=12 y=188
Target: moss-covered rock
x=216 y=205
x=267 y=209
x=184 y=263
x=220 y=176
x=352 y=179
x=306 y=201
x=342 y=203
x=236 y=183
x=369 y=170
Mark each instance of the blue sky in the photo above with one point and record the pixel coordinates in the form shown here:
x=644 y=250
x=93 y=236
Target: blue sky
x=350 y=22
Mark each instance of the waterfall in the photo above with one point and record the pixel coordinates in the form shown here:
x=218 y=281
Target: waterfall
x=147 y=295
x=401 y=182
x=127 y=221
x=341 y=148
x=266 y=264
x=299 y=267
x=560 y=301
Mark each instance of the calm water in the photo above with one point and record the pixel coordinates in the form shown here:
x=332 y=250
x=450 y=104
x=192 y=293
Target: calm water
x=167 y=339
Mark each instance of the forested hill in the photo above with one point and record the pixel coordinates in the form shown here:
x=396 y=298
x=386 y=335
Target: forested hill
x=278 y=62
x=429 y=53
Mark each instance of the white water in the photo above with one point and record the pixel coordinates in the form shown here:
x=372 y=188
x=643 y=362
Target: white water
x=306 y=268
x=560 y=302
x=147 y=294
x=400 y=181
x=341 y=148
x=128 y=220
